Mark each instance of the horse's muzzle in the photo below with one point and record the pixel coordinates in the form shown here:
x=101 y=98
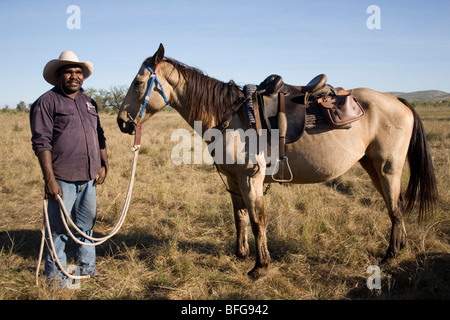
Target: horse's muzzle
x=125 y=126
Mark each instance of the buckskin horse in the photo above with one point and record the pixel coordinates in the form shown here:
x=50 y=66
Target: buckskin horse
x=389 y=133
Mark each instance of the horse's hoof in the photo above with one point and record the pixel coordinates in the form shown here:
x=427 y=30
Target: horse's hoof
x=256 y=273
x=388 y=258
x=242 y=255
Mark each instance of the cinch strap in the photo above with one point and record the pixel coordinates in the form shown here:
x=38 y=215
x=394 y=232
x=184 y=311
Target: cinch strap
x=249 y=89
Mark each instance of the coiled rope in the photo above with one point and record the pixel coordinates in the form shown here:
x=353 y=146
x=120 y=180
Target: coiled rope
x=65 y=215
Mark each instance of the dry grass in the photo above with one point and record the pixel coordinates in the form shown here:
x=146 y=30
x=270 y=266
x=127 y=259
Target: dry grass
x=178 y=239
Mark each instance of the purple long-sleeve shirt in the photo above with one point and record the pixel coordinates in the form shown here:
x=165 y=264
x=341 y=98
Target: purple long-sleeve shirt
x=71 y=130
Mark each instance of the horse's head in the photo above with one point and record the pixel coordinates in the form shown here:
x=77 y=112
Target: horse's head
x=146 y=94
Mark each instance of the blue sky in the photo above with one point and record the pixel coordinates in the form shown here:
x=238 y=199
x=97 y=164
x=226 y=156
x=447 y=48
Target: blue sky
x=241 y=40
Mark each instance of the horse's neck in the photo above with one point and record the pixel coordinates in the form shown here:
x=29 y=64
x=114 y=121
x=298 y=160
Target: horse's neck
x=182 y=108
x=177 y=84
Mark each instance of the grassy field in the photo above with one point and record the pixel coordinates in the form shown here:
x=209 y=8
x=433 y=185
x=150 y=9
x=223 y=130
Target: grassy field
x=178 y=239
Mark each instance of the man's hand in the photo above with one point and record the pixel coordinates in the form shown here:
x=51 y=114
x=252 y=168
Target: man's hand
x=101 y=175
x=52 y=188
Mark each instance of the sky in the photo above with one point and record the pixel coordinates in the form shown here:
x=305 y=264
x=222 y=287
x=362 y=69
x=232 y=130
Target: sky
x=244 y=41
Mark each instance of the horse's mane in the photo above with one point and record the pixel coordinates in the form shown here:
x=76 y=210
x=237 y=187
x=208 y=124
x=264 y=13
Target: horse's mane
x=208 y=99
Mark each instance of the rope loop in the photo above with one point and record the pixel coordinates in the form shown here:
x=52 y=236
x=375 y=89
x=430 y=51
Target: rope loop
x=65 y=216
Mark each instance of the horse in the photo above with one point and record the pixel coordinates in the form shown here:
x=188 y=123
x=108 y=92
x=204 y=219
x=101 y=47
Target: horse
x=389 y=134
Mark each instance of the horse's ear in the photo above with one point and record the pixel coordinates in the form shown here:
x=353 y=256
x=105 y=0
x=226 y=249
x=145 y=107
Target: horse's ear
x=158 y=56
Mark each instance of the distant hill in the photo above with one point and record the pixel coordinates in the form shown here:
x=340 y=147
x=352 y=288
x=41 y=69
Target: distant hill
x=427 y=95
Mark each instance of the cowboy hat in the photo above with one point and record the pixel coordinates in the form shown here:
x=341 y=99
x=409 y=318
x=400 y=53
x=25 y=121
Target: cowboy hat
x=65 y=58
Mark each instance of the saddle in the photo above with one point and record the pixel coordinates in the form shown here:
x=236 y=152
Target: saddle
x=278 y=105
x=339 y=107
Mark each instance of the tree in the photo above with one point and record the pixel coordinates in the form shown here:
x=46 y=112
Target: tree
x=117 y=94
x=108 y=101
x=22 y=107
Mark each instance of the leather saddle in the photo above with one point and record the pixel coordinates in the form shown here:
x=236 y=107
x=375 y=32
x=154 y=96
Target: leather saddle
x=273 y=83
x=294 y=103
x=338 y=106
x=277 y=105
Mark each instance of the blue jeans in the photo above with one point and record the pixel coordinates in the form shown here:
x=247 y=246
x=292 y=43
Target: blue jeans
x=80 y=201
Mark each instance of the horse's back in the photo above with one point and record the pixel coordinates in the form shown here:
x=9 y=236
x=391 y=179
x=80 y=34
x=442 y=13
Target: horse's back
x=324 y=154
x=389 y=122
x=382 y=104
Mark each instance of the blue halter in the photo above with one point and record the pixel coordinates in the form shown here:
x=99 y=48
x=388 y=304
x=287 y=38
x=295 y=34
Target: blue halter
x=154 y=77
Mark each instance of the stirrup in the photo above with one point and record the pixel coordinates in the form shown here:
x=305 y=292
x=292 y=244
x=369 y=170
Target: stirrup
x=280 y=170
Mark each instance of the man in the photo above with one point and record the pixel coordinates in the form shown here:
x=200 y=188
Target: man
x=69 y=142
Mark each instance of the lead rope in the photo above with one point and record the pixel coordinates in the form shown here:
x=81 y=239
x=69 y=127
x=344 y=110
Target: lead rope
x=64 y=214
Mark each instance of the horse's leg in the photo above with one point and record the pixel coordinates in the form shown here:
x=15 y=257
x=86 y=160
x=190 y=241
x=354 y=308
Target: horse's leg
x=398 y=231
x=240 y=219
x=367 y=164
x=386 y=176
x=252 y=192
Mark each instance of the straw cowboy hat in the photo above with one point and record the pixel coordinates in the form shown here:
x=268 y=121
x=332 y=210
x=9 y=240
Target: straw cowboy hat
x=65 y=58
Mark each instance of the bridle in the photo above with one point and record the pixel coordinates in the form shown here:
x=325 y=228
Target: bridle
x=138 y=126
x=154 y=77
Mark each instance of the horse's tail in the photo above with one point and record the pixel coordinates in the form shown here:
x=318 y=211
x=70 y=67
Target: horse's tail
x=422 y=186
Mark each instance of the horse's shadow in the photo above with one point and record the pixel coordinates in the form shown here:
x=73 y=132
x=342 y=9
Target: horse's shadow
x=427 y=277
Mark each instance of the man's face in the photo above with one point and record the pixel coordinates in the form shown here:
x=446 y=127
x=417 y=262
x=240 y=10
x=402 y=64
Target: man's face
x=71 y=78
